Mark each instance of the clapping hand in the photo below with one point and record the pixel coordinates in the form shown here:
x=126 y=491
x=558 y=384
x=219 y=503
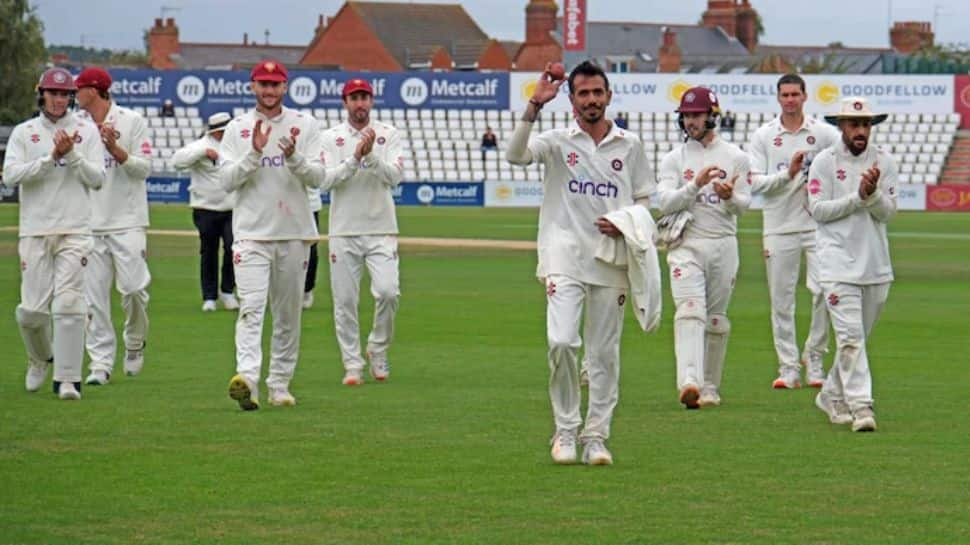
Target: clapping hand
x=63 y=143
x=260 y=138
x=869 y=183
x=725 y=190
x=366 y=144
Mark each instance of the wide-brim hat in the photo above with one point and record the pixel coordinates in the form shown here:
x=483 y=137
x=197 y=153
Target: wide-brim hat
x=856 y=108
x=217 y=122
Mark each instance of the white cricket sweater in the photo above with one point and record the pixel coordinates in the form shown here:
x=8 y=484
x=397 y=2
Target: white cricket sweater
x=205 y=190
x=54 y=197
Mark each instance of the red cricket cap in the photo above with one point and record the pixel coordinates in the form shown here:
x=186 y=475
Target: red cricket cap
x=269 y=70
x=699 y=100
x=355 y=85
x=94 y=76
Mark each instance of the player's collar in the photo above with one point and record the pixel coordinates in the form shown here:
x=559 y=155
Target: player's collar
x=806 y=121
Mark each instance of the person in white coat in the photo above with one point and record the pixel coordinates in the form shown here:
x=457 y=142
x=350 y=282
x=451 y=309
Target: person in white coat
x=782 y=151
x=211 y=212
x=119 y=219
x=591 y=169
x=56 y=159
x=852 y=195
x=363 y=229
x=708 y=178
x=271 y=155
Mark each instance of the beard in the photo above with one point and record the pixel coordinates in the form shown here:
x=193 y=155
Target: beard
x=856 y=146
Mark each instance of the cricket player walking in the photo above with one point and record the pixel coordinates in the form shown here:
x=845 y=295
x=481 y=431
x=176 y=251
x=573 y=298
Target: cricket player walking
x=781 y=152
x=852 y=196
x=271 y=155
x=363 y=228
x=708 y=178
x=591 y=169
x=55 y=158
x=119 y=219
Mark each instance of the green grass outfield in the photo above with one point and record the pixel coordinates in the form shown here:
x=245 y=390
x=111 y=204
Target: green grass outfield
x=454 y=448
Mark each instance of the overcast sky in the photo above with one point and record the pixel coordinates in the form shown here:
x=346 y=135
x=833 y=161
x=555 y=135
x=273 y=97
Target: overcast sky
x=118 y=24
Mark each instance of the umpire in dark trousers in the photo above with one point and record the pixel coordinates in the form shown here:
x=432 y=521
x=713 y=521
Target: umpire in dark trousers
x=211 y=212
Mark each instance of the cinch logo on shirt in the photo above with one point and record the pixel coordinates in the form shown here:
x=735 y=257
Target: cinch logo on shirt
x=589 y=187
x=707 y=198
x=273 y=161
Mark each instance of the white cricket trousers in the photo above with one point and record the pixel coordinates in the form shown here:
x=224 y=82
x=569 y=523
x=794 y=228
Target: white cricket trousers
x=783 y=255
x=348 y=256
x=565 y=298
x=854 y=310
x=120 y=256
x=52 y=282
x=702 y=275
x=272 y=270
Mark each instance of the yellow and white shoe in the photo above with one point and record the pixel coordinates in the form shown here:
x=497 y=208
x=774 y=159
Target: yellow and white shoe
x=244 y=394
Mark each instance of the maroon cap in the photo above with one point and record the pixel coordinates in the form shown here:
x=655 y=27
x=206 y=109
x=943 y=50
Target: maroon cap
x=697 y=100
x=57 y=79
x=356 y=85
x=96 y=77
x=269 y=70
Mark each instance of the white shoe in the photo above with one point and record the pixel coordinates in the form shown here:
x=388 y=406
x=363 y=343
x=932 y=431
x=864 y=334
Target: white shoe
x=596 y=454
x=788 y=379
x=864 y=419
x=68 y=392
x=208 y=305
x=281 y=398
x=36 y=375
x=98 y=378
x=814 y=370
x=229 y=301
x=564 y=447
x=836 y=410
x=380 y=369
x=353 y=377
x=134 y=360
x=710 y=397
x=307 y=300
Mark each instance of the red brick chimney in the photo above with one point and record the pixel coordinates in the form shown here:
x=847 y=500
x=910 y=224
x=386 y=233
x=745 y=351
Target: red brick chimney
x=747 y=25
x=539 y=47
x=669 y=61
x=163 y=40
x=721 y=13
x=910 y=36
x=540 y=19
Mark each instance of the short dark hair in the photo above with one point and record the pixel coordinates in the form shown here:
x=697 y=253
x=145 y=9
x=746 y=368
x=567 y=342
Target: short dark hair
x=791 y=79
x=588 y=69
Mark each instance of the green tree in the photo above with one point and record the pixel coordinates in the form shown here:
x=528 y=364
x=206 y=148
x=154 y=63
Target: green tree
x=21 y=58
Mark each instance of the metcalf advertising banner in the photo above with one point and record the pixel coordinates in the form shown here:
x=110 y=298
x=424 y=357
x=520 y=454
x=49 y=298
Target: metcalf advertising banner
x=756 y=92
x=219 y=90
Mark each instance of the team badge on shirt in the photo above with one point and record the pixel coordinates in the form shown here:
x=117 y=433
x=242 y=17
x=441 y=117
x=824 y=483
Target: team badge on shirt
x=840 y=174
x=778 y=141
x=340 y=141
x=381 y=140
x=294 y=131
x=810 y=140
x=35 y=138
x=244 y=133
x=617 y=165
x=572 y=159
x=815 y=186
x=688 y=175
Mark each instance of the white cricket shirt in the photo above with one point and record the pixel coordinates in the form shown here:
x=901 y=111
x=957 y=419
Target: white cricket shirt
x=851 y=238
x=205 y=190
x=361 y=195
x=271 y=195
x=122 y=203
x=771 y=149
x=583 y=182
x=54 y=196
x=713 y=217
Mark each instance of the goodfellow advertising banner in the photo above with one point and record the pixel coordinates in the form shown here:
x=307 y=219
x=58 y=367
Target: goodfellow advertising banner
x=948 y=198
x=756 y=92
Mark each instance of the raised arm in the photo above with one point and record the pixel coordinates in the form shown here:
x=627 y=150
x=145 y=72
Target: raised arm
x=17 y=169
x=240 y=159
x=882 y=203
x=138 y=163
x=389 y=172
x=822 y=204
x=671 y=195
